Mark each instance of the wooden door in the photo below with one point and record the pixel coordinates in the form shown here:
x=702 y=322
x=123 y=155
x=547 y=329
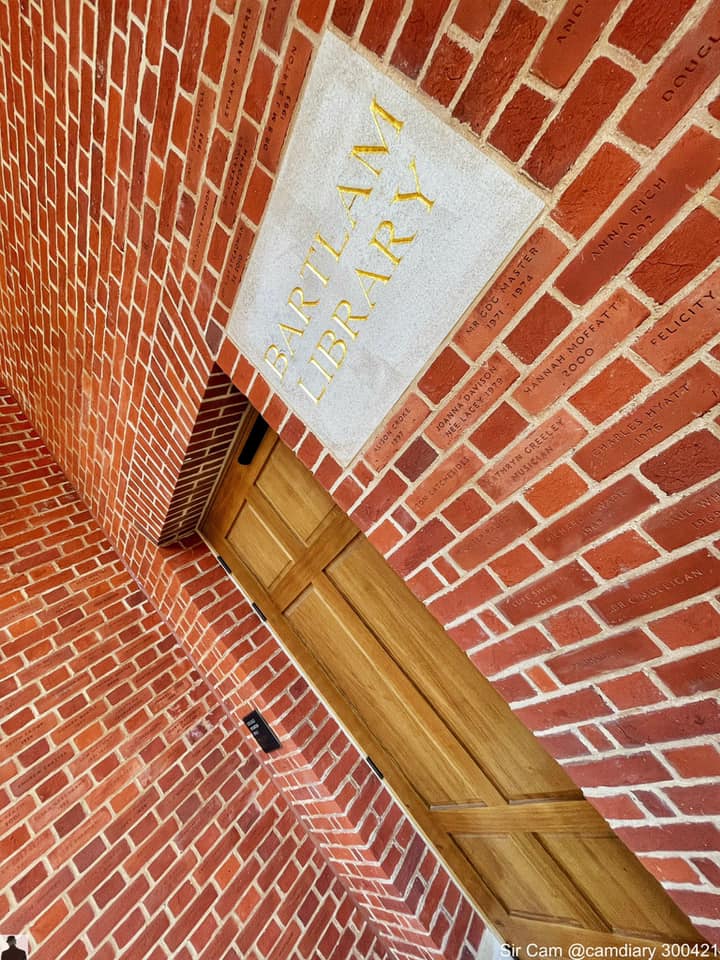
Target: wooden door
x=535 y=857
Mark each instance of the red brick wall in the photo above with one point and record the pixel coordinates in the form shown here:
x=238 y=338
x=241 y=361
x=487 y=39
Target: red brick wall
x=134 y=816
x=573 y=555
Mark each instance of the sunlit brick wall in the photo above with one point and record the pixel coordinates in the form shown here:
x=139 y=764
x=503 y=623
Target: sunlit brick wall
x=558 y=515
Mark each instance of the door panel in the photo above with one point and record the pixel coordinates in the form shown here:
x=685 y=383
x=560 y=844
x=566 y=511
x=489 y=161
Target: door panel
x=417 y=642
x=252 y=538
x=537 y=859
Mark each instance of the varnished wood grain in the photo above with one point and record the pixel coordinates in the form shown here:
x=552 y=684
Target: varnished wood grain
x=536 y=858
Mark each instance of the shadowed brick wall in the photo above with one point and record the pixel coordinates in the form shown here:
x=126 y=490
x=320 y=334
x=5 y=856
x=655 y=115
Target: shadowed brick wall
x=134 y=817
x=549 y=485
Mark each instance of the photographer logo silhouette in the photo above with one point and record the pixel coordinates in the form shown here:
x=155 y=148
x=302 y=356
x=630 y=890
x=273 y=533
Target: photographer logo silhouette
x=16 y=947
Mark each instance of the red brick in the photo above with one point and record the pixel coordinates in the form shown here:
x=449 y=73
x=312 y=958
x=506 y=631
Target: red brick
x=513 y=689
x=510 y=651
x=444 y=372
x=555 y=491
x=538 y=328
x=498 y=429
x=611 y=508
x=531 y=455
x=698 y=719
x=284 y=100
x=619 y=771
x=276 y=14
x=309 y=451
x=399 y=428
x=346 y=14
x=696 y=903
x=694 y=674
x=404 y=519
x=610 y=390
x=563 y=746
x=634 y=690
x=571 y=626
x=594 y=189
x=584 y=346
x=646 y=25
x=686 y=252
x=696 y=761
x=416 y=459
x=214 y=54
x=425 y=583
x=685 y=168
x=673 y=836
x=466 y=510
x=570 y=39
x=692 y=459
x=614 y=808
x=385 y=537
x=455 y=472
x=519 y=122
x=468 y=596
x=547 y=592
x=672 y=583
x=468 y=635
x=417 y=35
x=683 y=76
x=312 y=12
x=257 y=194
x=258 y=89
x=474 y=16
x=710 y=870
x=516 y=565
x=421 y=546
x=447 y=69
x=380 y=24
x=624 y=552
x=695 y=624
x=446 y=570
x=470 y=402
x=586 y=109
x=690 y=324
x=381 y=498
x=666 y=411
x=566 y=709
x=347 y=493
x=238 y=172
x=694 y=517
x=508 y=49
x=510 y=292
x=492 y=536
x=604 y=656
x=238 y=255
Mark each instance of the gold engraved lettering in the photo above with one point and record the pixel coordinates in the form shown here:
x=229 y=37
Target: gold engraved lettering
x=316 y=398
x=288 y=333
x=278 y=360
x=378 y=113
x=344 y=305
x=373 y=278
x=323 y=371
x=330 y=249
x=333 y=348
x=418 y=194
x=303 y=303
x=389 y=226
x=353 y=193
x=306 y=263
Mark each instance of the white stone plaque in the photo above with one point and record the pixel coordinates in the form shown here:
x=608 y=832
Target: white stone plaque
x=383 y=225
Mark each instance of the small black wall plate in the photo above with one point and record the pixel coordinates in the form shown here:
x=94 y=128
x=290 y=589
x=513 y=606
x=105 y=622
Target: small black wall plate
x=261 y=731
